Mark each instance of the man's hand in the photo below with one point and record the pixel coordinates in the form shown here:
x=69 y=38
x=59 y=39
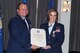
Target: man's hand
x=34 y=47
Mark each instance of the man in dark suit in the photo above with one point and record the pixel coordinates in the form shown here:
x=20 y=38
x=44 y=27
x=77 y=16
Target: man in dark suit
x=19 y=32
x=54 y=33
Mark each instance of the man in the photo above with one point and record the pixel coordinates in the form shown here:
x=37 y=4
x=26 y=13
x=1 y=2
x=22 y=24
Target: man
x=19 y=32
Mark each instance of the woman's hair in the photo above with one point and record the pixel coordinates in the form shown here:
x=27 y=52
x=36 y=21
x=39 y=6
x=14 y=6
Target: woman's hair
x=52 y=10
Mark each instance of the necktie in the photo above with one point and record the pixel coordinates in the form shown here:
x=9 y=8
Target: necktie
x=50 y=25
x=26 y=23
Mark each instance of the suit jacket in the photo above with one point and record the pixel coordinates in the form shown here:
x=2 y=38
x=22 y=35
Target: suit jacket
x=55 y=39
x=19 y=36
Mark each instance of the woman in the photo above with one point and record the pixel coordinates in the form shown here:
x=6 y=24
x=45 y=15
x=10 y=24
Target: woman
x=54 y=33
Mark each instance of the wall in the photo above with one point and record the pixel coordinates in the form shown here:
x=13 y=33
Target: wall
x=64 y=18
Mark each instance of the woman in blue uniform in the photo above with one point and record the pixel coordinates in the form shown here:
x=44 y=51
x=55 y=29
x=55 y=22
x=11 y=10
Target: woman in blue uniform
x=54 y=33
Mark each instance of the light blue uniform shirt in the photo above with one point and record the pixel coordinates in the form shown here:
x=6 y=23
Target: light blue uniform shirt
x=50 y=27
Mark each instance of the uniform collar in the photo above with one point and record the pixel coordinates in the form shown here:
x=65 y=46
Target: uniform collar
x=51 y=24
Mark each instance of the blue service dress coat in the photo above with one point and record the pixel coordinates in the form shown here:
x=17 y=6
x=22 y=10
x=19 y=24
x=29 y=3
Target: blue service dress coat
x=19 y=36
x=55 y=39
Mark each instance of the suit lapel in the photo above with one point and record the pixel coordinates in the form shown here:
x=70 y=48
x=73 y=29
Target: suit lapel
x=46 y=27
x=24 y=21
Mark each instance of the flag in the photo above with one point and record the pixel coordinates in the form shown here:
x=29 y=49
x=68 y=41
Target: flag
x=25 y=1
x=1 y=39
x=51 y=4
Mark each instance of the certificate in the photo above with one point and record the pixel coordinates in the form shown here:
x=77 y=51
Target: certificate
x=38 y=37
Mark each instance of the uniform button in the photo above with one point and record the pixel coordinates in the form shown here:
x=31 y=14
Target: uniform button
x=48 y=37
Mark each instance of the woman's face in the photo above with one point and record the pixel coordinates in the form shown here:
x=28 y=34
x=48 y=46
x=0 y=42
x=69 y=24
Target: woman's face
x=52 y=16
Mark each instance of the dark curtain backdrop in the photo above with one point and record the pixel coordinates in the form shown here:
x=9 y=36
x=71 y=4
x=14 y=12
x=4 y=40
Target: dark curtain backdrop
x=74 y=44
x=43 y=9
x=32 y=11
x=9 y=10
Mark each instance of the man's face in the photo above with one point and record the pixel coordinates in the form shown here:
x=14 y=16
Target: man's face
x=23 y=10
